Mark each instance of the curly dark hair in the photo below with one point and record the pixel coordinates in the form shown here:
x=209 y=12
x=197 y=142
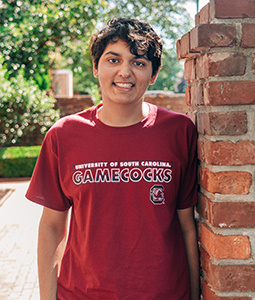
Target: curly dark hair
x=139 y=35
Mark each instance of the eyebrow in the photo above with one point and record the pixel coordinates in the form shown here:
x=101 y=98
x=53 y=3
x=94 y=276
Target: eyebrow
x=118 y=55
x=112 y=53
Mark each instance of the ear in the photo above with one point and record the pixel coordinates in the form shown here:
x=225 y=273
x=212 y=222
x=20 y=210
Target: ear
x=95 y=70
x=153 y=78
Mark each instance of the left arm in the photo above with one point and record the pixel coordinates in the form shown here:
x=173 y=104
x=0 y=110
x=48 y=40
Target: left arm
x=190 y=238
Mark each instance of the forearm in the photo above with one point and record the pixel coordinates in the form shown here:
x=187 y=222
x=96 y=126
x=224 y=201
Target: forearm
x=51 y=245
x=193 y=261
x=190 y=238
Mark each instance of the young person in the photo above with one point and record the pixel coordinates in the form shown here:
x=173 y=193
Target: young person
x=126 y=170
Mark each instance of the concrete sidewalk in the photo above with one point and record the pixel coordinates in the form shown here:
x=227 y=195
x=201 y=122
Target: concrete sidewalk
x=19 y=220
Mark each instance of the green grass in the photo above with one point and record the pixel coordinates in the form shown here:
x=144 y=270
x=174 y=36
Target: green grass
x=18 y=161
x=17 y=152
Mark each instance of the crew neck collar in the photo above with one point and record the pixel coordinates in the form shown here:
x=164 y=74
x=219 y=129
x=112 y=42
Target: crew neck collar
x=146 y=122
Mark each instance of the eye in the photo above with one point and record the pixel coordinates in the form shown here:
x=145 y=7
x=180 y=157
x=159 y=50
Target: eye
x=113 y=60
x=139 y=63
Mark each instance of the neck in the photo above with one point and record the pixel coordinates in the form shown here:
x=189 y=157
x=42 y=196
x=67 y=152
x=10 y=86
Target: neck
x=119 y=116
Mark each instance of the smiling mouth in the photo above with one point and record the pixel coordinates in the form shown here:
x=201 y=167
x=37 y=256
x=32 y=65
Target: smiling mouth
x=124 y=85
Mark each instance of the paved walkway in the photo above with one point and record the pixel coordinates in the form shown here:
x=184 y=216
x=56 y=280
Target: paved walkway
x=18 y=242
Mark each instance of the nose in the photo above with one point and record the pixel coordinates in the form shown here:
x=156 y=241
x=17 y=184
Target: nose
x=125 y=70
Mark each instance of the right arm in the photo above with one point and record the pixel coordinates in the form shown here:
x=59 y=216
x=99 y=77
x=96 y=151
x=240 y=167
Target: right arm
x=52 y=236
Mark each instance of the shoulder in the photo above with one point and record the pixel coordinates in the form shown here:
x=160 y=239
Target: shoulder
x=168 y=117
x=70 y=126
x=82 y=118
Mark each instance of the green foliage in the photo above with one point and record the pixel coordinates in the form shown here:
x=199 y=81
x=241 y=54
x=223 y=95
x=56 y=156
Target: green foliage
x=168 y=74
x=18 y=161
x=23 y=109
x=170 y=20
x=77 y=58
x=19 y=152
x=30 y=31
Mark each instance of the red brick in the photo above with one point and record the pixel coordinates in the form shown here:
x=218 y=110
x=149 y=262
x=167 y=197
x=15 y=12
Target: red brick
x=183 y=47
x=203 y=16
x=175 y=102
x=202 y=67
x=222 y=123
x=73 y=105
x=229 y=154
x=196 y=94
x=234 y=298
x=229 y=92
x=253 y=64
x=225 y=247
x=208 y=294
x=200 y=150
x=203 y=123
x=228 y=123
x=220 y=64
x=207 y=36
x=226 y=64
x=202 y=206
x=197 y=19
x=204 y=260
x=189 y=70
x=248 y=34
x=230 y=278
x=178 y=50
x=227 y=9
x=187 y=96
x=226 y=182
x=192 y=115
x=229 y=214
x=233 y=214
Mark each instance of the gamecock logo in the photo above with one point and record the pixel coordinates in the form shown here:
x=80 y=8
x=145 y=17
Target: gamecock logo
x=157 y=195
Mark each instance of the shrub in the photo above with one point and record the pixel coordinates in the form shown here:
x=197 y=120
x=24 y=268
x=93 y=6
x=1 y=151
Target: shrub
x=24 y=109
x=18 y=161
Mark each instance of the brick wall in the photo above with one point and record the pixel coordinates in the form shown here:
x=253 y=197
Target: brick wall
x=219 y=56
x=174 y=102
x=77 y=103
x=168 y=100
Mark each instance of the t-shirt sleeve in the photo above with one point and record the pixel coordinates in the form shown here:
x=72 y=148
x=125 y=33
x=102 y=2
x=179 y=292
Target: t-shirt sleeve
x=45 y=186
x=187 y=196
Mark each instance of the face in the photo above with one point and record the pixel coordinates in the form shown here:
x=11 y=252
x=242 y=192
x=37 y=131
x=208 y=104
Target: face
x=123 y=77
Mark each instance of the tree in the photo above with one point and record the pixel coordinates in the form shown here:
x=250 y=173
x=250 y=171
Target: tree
x=25 y=110
x=170 y=20
x=31 y=30
x=169 y=73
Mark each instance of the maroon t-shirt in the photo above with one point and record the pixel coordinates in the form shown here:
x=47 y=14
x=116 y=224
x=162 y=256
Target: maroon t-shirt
x=124 y=185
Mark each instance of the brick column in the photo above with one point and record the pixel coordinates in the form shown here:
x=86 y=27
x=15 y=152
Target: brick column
x=219 y=56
